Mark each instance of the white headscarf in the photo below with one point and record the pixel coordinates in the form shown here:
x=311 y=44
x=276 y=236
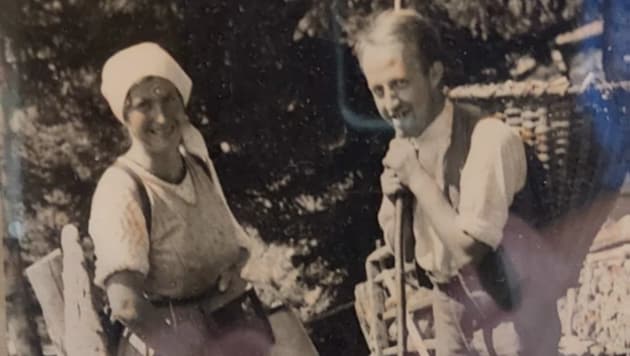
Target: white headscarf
x=130 y=65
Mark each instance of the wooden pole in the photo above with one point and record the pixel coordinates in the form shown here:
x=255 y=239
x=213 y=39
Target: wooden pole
x=83 y=334
x=46 y=280
x=399 y=252
x=397 y=4
x=3 y=314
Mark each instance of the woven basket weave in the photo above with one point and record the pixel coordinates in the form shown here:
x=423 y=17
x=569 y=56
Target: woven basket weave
x=576 y=133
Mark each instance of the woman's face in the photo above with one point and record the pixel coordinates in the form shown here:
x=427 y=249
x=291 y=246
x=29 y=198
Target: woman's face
x=154 y=114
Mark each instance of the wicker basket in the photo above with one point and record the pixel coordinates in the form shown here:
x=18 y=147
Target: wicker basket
x=576 y=133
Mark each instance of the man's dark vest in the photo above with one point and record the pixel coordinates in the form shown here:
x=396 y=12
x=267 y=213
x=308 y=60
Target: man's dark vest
x=495 y=271
x=527 y=202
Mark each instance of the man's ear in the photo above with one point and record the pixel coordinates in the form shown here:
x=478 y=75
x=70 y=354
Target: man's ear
x=436 y=72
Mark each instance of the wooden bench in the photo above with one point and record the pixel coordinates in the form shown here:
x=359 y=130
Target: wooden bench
x=63 y=285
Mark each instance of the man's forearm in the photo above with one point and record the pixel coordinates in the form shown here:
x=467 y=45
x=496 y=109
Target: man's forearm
x=443 y=217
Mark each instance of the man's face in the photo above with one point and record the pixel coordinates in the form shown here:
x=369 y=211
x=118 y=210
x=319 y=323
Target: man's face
x=404 y=92
x=155 y=114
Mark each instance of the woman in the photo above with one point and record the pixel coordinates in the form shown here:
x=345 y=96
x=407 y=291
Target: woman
x=169 y=251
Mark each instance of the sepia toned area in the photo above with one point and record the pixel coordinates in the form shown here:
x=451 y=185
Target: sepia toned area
x=297 y=143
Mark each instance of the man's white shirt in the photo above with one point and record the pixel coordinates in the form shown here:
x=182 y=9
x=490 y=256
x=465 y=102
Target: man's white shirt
x=495 y=170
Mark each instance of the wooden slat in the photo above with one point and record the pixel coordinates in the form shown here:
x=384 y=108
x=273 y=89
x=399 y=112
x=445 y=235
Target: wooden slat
x=417 y=342
x=414 y=304
x=430 y=344
x=362 y=309
x=376 y=299
x=45 y=278
x=380 y=254
x=390 y=273
x=84 y=333
x=595 y=28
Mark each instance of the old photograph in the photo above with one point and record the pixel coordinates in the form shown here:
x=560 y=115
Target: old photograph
x=321 y=177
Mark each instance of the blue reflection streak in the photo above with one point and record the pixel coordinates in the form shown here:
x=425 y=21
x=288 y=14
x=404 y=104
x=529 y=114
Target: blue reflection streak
x=609 y=123
x=355 y=120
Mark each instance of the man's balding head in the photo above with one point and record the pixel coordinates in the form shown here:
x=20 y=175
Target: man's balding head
x=400 y=56
x=407 y=28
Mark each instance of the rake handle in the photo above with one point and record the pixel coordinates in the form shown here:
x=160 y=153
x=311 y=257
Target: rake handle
x=399 y=252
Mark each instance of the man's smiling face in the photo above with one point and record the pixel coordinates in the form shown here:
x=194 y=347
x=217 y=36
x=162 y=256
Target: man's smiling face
x=403 y=91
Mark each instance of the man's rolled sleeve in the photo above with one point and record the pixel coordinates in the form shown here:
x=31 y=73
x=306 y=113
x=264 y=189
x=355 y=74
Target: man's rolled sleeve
x=494 y=172
x=117 y=227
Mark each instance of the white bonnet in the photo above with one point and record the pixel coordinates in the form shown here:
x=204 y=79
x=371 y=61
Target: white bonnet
x=128 y=66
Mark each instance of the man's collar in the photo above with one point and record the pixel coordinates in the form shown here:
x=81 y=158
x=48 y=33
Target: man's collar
x=440 y=128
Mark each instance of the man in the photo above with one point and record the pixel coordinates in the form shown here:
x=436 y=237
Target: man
x=463 y=172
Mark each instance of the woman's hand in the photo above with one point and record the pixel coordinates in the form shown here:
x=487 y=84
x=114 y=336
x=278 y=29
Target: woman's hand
x=124 y=293
x=225 y=280
x=154 y=326
x=233 y=273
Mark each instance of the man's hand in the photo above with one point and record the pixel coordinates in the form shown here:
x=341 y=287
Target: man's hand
x=390 y=184
x=401 y=159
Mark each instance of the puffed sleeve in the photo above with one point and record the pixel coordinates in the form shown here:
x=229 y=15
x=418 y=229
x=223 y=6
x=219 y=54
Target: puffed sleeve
x=495 y=170
x=117 y=227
